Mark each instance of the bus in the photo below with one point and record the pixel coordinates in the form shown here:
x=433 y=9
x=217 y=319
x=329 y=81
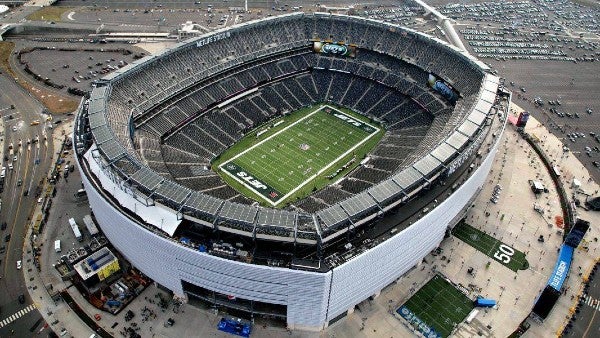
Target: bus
x=75 y=229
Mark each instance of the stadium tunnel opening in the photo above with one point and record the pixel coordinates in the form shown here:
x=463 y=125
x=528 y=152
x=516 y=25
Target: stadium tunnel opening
x=275 y=314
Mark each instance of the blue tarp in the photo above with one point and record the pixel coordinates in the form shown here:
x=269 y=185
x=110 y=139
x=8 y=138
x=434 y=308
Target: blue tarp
x=561 y=269
x=485 y=302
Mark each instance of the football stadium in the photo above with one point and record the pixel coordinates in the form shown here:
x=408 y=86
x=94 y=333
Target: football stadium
x=292 y=167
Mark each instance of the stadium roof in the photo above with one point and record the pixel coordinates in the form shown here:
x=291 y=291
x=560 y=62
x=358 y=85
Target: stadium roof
x=358 y=204
x=147 y=178
x=385 y=190
x=457 y=140
x=272 y=217
x=407 y=178
x=427 y=165
x=203 y=203
x=112 y=150
x=477 y=117
x=333 y=215
x=238 y=212
x=173 y=191
x=468 y=128
x=443 y=152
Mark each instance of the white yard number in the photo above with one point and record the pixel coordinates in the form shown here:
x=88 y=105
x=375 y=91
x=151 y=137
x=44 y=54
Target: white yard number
x=504 y=253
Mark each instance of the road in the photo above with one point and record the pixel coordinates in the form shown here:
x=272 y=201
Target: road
x=31 y=163
x=587 y=318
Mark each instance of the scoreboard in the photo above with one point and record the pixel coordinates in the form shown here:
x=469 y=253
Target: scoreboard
x=442 y=87
x=333 y=48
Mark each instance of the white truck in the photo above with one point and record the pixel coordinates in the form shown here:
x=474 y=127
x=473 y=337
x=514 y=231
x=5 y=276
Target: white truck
x=75 y=229
x=90 y=225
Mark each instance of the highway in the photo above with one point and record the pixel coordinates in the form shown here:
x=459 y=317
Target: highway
x=30 y=165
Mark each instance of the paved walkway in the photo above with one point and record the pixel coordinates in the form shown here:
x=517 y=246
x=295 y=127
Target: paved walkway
x=39 y=3
x=589 y=250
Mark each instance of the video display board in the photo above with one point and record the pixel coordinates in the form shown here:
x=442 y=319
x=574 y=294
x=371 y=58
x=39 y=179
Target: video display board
x=443 y=88
x=331 y=48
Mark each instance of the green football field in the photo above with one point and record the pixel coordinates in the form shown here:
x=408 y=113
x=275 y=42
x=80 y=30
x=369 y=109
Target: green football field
x=437 y=306
x=299 y=152
x=501 y=252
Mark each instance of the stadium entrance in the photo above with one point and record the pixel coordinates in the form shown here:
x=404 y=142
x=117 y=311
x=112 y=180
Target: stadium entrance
x=275 y=314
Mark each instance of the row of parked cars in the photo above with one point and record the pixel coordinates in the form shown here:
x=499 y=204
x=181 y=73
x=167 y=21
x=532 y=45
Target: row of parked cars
x=496 y=194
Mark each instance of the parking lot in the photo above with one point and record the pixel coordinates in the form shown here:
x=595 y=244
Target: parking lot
x=78 y=65
x=575 y=85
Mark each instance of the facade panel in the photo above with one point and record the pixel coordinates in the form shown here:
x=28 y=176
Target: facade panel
x=168 y=263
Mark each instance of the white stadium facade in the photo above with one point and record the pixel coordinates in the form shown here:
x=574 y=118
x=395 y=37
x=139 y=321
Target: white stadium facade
x=147 y=134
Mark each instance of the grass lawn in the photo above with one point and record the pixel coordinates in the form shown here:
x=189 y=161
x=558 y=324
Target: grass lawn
x=503 y=253
x=437 y=306
x=298 y=154
x=6 y=48
x=49 y=13
x=56 y=104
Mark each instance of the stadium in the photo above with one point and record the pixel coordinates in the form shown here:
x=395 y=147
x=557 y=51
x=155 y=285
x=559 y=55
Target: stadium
x=291 y=167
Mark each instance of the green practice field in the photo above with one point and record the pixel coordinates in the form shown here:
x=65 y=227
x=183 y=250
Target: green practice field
x=436 y=308
x=503 y=253
x=300 y=153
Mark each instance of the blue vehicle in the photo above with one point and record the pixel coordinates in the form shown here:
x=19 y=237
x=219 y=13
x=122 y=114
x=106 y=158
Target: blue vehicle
x=236 y=327
x=113 y=302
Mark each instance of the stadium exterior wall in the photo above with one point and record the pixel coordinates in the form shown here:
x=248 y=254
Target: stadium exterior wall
x=312 y=299
x=168 y=263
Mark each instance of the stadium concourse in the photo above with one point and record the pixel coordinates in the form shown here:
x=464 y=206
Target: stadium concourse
x=150 y=133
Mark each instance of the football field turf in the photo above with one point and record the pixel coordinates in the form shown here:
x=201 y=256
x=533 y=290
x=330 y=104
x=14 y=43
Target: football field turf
x=501 y=252
x=436 y=308
x=286 y=160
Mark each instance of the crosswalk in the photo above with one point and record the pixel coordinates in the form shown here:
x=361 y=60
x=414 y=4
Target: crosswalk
x=16 y=315
x=592 y=302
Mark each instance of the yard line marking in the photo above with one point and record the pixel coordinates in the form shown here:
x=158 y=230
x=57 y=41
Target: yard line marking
x=302 y=184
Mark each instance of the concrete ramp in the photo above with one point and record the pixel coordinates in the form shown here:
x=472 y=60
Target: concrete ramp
x=5 y=28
